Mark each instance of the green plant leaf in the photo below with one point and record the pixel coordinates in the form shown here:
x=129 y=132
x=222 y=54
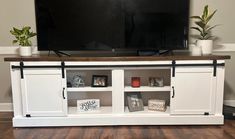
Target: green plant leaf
x=210 y=28
x=17 y=31
x=22 y=36
x=13 y=33
x=196 y=17
x=26 y=28
x=200 y=24
x=205 y=12
x=196 y=28
x=14 y=41
x=31 y=34
x=210 y=16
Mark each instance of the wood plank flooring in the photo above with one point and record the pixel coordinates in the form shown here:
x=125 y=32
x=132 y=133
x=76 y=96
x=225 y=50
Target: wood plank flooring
x=227 y=131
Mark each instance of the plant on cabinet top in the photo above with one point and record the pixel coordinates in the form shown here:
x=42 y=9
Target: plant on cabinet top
x=22 y=36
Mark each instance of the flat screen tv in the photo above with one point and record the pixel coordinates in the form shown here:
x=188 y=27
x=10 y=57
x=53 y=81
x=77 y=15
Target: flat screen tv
x=70 y=25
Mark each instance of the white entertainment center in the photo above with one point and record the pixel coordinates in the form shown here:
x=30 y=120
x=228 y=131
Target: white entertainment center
x=193 y=90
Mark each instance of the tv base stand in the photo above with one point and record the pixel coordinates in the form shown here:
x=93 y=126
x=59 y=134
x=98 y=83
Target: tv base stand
x=59 y=53
x=193 y=90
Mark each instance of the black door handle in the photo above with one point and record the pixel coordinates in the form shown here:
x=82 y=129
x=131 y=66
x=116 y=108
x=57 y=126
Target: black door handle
x=63 y=93
x=173 y=89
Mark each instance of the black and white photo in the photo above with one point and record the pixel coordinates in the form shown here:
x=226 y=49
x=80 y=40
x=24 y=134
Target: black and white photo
x=134 y=101
x=99 y=81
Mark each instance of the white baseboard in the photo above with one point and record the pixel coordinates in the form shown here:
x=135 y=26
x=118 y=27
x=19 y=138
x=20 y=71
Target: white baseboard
x=6 y=107
x=229 y=103
x=14 y=50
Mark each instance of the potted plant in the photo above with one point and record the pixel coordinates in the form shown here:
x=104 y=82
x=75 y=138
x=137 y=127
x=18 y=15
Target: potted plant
x=205 y=41
x=22 y=37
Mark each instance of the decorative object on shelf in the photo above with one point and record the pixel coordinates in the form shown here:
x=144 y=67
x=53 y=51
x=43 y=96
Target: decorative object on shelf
x=78 y=81
x=156 y=81
x=22 y=37
x=205 y=41
x=135 y=81
x=134 y=101
x=69 y=84
x=157 y=105
x=88 y=105
x=99 y=81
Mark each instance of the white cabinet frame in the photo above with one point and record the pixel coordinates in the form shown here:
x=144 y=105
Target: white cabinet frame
x=175 y=115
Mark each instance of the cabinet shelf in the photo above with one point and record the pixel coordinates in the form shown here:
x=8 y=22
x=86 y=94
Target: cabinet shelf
x=72 y=111
x=146 y=89
x=146 y=111
x=90 y=89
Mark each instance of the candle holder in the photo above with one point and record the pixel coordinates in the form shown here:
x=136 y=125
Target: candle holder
x=135 y=81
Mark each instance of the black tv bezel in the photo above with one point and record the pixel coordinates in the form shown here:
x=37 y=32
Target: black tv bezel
x=185 y=47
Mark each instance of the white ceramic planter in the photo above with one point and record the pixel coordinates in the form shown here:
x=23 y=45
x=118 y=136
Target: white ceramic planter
x=196 y=50
x=25 y=50
x=206 y=46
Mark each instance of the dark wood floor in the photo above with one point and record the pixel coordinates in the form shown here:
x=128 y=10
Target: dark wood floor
x=227 y=131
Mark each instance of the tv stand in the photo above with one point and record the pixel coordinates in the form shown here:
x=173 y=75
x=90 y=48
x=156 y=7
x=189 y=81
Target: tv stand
x=59 y=53
x=154 y=52
x=193 y=90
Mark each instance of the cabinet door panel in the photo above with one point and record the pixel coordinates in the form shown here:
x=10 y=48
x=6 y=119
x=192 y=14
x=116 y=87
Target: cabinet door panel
x=194 y=91
x=43 y=93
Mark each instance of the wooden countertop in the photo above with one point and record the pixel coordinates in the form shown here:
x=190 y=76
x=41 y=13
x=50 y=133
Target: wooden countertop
x=11 y=58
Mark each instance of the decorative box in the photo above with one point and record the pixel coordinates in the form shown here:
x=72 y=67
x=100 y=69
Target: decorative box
x=88 y=105
x=157 y=105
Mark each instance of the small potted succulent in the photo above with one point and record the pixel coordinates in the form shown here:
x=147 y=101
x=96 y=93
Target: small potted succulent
x=22 y=37
x=205 y=39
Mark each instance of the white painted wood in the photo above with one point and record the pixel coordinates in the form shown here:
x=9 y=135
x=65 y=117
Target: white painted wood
x=219 y=89
x=117 y=119
x=194 y=91
x=118 y=91
x=40 y=63
x=6 y=107
x=122 y=63
x=90 y=89
x=42 y=93
x=147 y=111
x=146 y=89
x=16 y=91
x=72 y=111
x=194 y=62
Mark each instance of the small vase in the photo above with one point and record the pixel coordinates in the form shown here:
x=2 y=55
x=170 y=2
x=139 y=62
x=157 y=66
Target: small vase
x=206 y=46
x=25 y=51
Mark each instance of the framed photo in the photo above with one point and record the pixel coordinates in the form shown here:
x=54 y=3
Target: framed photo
x=156 y=82
x=78 y=81
x=99 y=81
x=134 y=101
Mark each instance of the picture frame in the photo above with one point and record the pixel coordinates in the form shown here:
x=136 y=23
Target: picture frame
x=134 y=101
x=99 y=81
x=78 y=81
x=156 y=82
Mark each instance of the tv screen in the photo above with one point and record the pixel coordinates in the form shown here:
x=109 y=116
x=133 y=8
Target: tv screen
x=112 y=24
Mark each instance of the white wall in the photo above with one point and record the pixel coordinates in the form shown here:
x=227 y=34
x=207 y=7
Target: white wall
x=15 y=13
x=21 y=12
x=224 y=17
x=5 y=86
